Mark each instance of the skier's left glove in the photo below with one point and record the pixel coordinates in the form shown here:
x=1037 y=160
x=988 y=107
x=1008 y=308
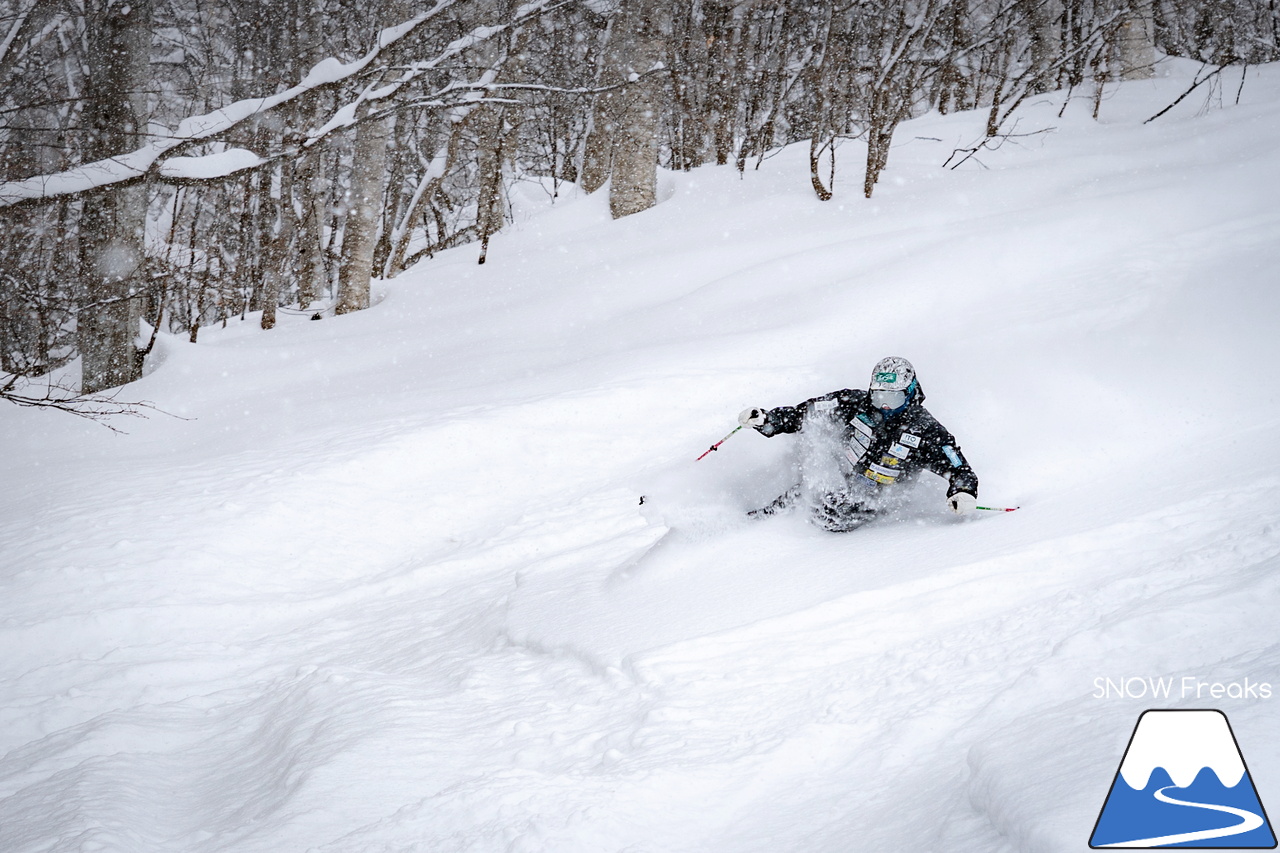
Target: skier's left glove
x=962 y=502
x=753 y=417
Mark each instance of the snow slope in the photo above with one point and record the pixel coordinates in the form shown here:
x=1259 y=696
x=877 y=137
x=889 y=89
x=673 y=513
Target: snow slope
x=385 y=583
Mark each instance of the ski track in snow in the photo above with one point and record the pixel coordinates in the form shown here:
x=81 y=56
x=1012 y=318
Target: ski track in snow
x=408 y=600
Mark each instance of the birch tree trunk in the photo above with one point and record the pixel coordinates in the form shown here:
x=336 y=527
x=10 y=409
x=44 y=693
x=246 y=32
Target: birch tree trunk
x=113 y=222
x=1137 y=42
x=642 y=28
x=1046 y=42
x=832 y=91
x=364 y=207
x=311 y=176
x=496 y=137
x=597 y=156
x=494 y=141
x=278 y=265
x=722 y=85
x=313 y=277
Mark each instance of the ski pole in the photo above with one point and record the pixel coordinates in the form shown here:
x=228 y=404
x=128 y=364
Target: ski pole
x=716 y=446
x=998 y=508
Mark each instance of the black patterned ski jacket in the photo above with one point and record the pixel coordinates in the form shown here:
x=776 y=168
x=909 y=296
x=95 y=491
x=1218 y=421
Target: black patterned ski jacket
x=879 y=450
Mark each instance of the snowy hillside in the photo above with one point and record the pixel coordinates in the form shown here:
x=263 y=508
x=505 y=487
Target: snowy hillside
x=385 y=583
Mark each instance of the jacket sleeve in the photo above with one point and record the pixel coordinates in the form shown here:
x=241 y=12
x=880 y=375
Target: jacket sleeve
x=783 y=419
x=792 y=418
x=944 y=458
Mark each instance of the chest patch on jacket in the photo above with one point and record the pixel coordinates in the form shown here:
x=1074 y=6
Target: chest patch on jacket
x=880 y=474
x=909 y=439
x=899 y=451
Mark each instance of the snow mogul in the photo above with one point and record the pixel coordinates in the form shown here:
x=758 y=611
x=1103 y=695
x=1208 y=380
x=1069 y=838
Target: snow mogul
x=861 y=446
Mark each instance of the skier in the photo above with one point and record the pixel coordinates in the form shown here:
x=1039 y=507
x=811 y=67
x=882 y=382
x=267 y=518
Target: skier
x=879 y=438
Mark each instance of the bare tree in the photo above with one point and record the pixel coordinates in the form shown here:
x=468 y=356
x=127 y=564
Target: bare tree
x=1045 y=19
x=364 y=210
x=833 y=85
x=1136 y=41
x=644 y=25
x=113 y=224
x=623 y=141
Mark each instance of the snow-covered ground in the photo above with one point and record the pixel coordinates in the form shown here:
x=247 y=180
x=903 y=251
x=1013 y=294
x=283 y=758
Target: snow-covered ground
x=387 y=584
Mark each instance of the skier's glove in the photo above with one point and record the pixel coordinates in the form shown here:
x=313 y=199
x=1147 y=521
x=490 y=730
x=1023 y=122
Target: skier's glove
x=962 y=502
x=752 y=417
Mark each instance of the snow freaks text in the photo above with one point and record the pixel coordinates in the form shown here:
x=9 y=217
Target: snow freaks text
x=1186 y=687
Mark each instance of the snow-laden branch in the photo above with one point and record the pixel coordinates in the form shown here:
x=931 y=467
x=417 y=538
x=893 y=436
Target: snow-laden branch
x=210 y=166
x=158 y=156
x=346 y=116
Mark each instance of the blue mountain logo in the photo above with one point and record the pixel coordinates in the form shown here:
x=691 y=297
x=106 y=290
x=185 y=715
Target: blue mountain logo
x=1183 y=783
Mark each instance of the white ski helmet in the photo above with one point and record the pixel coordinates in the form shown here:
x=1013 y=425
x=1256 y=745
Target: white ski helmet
x=893 y=383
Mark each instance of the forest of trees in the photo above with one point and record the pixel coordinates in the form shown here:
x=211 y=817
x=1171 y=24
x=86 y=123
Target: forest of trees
x=169 y=164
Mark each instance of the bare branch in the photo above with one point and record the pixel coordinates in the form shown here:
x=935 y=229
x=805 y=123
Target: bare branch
x=99 y=408
x=1195 y=85
x=990 y=143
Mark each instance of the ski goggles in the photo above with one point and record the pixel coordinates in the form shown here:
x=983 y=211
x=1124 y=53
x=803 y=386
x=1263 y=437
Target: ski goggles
x=888 y=399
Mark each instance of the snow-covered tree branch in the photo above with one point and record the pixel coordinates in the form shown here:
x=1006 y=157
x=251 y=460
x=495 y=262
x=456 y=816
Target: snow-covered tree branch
x=161 y=155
